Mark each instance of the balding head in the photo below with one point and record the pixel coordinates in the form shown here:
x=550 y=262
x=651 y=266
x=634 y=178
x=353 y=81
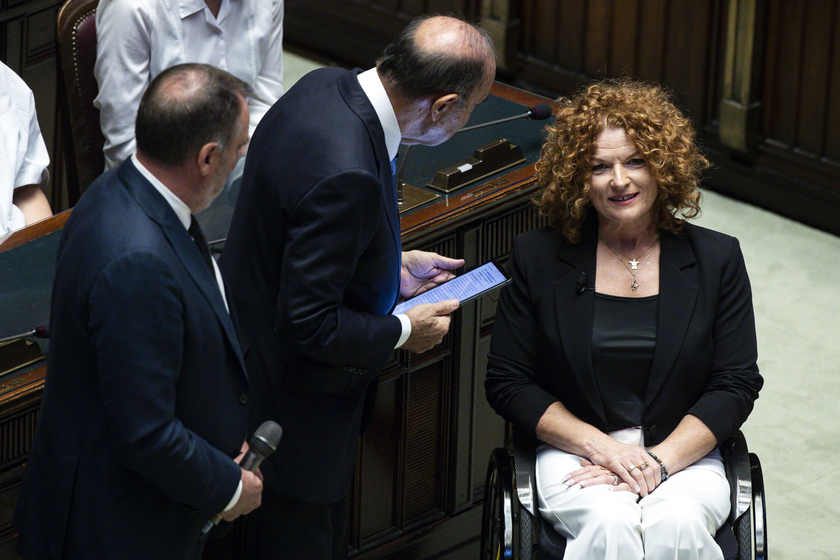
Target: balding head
x=447 y=35
x=185 y=107
x=437 y=55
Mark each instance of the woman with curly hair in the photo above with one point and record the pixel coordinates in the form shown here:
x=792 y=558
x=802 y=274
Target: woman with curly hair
x=626 y=341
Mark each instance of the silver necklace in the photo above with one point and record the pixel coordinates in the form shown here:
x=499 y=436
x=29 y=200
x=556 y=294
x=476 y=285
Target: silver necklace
x=633 y=266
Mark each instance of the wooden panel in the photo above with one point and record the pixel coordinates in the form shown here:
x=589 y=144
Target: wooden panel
x=625 y=37
x=500 y=231
x=354 y=32
x=426 y=443
x=541 y=29
x=832 y=137
x=16 y=433
x=798 y=151
x=568 y=42
x=377 y=468
x=413 y=6
x=570 y=50
x=815 y=80
x=687 y=53
x=8 y=499
x=781 y=88
x=386 y=5
x=596 y=42
x=490 y=427
x=653 y=39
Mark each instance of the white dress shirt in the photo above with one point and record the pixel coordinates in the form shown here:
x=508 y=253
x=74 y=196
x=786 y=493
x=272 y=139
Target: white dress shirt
x=138 y=39
x=181 y=210
x=23 y=154
x=371 y=84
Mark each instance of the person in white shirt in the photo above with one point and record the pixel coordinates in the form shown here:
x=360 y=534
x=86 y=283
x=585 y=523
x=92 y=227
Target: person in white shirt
x=23 y=156
x=138 y=39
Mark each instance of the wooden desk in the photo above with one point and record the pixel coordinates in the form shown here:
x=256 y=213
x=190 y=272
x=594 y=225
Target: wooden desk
x=421 y=466
x=20 y=392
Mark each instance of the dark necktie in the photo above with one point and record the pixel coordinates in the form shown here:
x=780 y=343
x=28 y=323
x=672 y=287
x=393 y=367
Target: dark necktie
x=201 y=243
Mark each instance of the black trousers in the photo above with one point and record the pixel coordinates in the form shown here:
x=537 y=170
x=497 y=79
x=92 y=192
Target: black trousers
x=285 y=528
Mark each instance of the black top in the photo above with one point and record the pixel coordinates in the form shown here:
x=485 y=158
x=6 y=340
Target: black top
x=623 y=341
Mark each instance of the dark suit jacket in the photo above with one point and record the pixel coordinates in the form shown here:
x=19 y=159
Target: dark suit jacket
x=705 y=358
x=312 y=260
x=144 y=401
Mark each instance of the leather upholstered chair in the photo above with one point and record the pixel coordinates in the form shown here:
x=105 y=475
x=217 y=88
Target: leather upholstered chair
x=81 y=133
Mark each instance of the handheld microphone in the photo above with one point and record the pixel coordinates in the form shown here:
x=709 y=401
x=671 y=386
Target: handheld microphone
x=537 y=112
x=261 y=445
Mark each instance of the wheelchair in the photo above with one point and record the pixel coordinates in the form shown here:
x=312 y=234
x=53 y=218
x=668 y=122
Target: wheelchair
x=511 y=526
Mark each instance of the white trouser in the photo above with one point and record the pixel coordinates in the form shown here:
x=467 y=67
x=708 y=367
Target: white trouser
x=676 y=521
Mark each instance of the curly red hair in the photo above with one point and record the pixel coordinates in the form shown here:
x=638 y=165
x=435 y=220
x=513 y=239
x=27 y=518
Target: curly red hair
x=661 y=132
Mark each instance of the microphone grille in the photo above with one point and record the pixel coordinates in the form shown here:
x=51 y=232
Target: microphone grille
x=540 y=112
x=268 y=434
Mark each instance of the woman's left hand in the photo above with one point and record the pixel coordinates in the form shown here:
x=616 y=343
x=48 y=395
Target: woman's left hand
x=592 y=475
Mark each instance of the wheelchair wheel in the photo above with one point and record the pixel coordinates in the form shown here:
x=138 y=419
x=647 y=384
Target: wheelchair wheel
x=759 y=512
x=497 y=515
x=526 y=535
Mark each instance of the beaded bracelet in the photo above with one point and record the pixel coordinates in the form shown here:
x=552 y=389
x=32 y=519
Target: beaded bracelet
x=663 y=472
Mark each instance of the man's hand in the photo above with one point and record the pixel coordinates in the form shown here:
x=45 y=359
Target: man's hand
x=429 y=323
x=252 y=485
x=422 y=270
x=250 y=498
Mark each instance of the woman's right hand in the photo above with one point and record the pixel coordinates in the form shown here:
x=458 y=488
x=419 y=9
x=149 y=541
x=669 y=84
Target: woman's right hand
x=630 y=463
x=563 y=430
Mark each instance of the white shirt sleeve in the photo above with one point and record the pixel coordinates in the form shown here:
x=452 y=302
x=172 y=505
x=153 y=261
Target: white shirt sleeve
x=268 y=86
x=235 y=498
x=406 y=330
x=33 y=167
x=122 y=70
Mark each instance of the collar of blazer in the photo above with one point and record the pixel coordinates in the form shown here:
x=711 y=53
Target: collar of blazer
x=678 y=288
x=159 y=211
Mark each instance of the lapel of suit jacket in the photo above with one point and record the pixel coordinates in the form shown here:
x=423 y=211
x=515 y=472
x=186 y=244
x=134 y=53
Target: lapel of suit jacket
x=574 y=312
x=159 y=211
x=677 y=296
x=359 y=103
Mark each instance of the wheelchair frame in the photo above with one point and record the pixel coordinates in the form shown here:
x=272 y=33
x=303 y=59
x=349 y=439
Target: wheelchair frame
x=511 y=525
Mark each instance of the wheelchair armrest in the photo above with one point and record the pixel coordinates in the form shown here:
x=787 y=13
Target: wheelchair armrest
x=736 y=462
x=524 y=450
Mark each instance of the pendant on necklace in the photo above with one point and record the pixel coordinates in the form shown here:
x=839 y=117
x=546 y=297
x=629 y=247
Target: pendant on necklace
x=634 y=264
x=634 y=285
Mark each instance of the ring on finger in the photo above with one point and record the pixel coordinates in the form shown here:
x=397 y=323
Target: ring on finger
x=643 y=466
x=615 y=480
x=633 y=467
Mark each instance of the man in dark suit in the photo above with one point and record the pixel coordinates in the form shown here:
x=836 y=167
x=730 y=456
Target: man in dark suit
x=144 y=405
x=315 y=265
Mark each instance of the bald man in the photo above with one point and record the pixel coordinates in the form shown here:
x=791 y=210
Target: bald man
x=315 y=266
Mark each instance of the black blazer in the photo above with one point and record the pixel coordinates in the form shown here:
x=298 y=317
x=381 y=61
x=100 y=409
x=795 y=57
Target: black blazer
x=705 y=358
x=313 y=262
x=144 y=401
